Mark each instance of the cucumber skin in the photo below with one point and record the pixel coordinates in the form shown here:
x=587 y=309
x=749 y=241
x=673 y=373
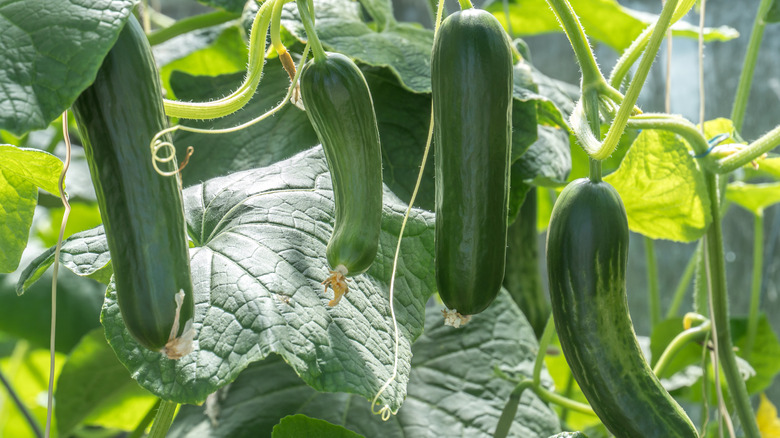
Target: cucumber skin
x=339 y=106
x=587 y=252
x=142 y=211
x=471 y=78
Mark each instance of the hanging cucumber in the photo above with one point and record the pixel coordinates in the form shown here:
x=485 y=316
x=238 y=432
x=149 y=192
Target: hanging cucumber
x=587 y=251
x=523 y=280
x=339 y=106
x=471 y=78
x=142 y=211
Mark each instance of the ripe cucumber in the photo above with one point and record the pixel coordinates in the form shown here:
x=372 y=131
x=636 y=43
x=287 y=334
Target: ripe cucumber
x=471 y=79
x=142 y=211
x=339 y=106
x=587 y=251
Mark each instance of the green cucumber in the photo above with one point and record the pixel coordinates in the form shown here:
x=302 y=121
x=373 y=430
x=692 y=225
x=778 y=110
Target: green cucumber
x=471 y=79
x=587 y=251
x=339 y=106
x=142 y=211
x=523 y=280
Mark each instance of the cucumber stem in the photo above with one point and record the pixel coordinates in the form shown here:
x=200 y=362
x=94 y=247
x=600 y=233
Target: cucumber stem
x=579 y=41
x=236 y=100
x=677 y=344
x=720 y=313
x=306 y=10
x=749 y=66
x=465 y=4
x=682 y=286
x=755 y=295
x=189 y=24
x=653 y=293
x=163 y=419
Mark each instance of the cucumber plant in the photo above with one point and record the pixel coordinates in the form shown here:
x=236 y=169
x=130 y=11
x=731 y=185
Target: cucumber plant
x=471 y=80
x=142 y=210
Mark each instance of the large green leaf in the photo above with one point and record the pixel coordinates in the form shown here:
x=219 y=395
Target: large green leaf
x=453 y=389
x=754 y=197
x=662 y=188
x=296 y=426
x=603 y=20
x=257 y=264
x=51 y=53
x=94 y=388
x=405 y=48
x=85 y=253
x=22 y=172
x=773 y=15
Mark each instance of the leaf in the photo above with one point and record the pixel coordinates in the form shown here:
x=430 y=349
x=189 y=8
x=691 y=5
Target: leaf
x=404 y=48
x=770 y=166
x=547 y=162
x=281 y=136
x=296 y=426
x=51 y=53
x=773 y=14
x=753 y=197
x=22 y=171
x=28 y=375
x=92 y=381
x=29 y=316
x=605 y=21
x=85 y=253
x=257 y=268
x=766 y=417
x=663 y=190
x=453 y=390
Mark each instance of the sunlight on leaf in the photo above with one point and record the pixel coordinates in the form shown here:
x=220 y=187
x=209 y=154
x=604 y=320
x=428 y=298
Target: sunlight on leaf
x=662 y=188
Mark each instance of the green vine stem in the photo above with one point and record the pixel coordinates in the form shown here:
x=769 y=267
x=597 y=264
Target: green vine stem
x=163 y=419
x=306 y=10
x=36 y=428
x=751 y=152
x=682 y=285
x=755 y=294
x=749 y=66
x=720 y=313
x=236 y=100
x=189 y=24
x=465 y=4
x=510 y=409
x=672 y=123
x=591 y=75
x=634 y=51
x=140 y=429
x=653 y=293
x=679 y=341
x=601 y=150
x=544 y=342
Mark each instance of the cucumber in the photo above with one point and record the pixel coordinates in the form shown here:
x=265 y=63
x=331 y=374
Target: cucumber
x=523 y=279
x=142 y=211
x=339 y=106
x=471 y=79
x=587 y=251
